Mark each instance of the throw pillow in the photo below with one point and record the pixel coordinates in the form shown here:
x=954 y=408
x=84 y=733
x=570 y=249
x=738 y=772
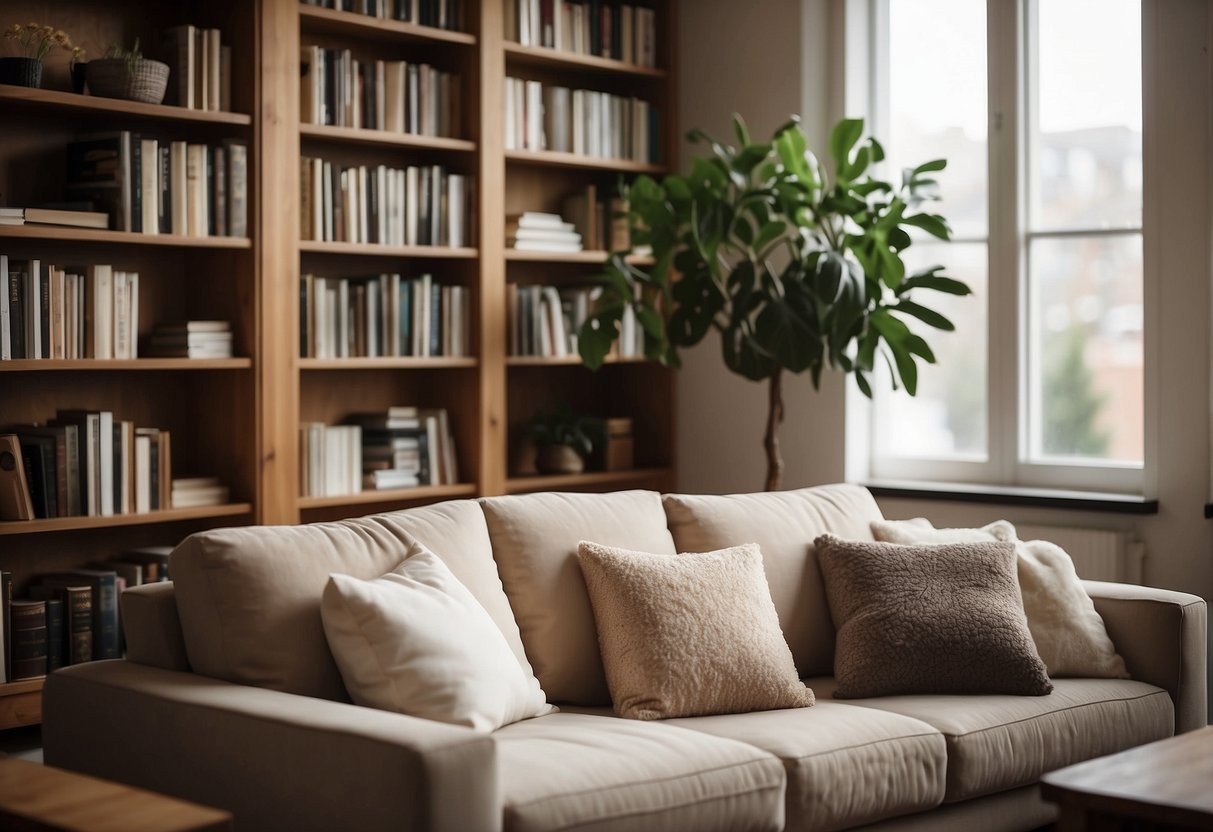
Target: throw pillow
x=416 y=641
x=690 y=634
x=1069 y=633
x=928 y=619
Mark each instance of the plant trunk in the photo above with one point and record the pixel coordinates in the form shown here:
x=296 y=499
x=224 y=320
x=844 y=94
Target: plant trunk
x=771 y=441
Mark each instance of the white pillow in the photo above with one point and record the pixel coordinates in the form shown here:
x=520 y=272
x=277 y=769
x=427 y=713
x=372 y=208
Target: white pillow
x=416 y=641
x=1069 y=634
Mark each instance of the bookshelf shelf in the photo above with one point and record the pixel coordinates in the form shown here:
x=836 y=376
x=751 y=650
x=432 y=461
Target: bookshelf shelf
x=69 y=102
x=552 y=158
x=172 y=515
x=370 y=250
x=592 y=479
x=396 y=363
x=394 y=495
x=542 y=56
x=93 y=364
x=314 y=19
x=387 y=138
x=592 y=257
x=64 y=234
x=552 y=361
x=21 y=702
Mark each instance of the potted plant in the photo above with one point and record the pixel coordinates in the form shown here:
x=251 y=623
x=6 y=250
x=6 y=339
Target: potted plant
x=562 y=440
x=125 y=73
x=795 y=271
x=34 y=40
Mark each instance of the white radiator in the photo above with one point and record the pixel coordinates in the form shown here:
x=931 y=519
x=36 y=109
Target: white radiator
x=1099 y=554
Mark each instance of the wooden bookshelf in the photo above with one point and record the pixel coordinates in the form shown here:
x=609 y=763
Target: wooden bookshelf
x=239 y=418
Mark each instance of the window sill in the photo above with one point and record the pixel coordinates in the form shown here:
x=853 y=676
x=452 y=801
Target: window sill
x=1014 y=496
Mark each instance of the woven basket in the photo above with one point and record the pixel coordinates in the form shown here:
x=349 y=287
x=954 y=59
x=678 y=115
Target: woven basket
x=114 y=78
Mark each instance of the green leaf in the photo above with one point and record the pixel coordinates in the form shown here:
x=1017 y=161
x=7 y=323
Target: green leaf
x=788 y=337
x=739 y=127
x=862 y=381
x=853 y=171
x=928 y=316
x=939 y=283
x=933 y=224
x=842 y=139
x=596 y=336
x=933 y=165
x=744 y=357
x=768 y=233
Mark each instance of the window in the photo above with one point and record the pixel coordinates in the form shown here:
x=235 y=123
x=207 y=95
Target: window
x=1037 y=107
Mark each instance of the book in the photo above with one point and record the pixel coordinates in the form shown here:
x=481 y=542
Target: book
x=153 y=559
x=99 y=170
x=51 y=216
x=6 y=621
x=28 y=636
x=74 y=608
x=103 y=585
x=16 y=502
x=178 y=45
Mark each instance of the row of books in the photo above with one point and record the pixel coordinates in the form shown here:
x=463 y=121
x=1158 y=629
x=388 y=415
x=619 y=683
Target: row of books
x=200 y=68
x=545 y=321
x=398 y=96
x=601 y=220
x=73 y=617
x=585 y=122
x=426 y=206
x=86 y=464
x=382 y=316
x=152 y=186
x=403 y=448
x=602 y=28
x=441 y=14
x=67 y=313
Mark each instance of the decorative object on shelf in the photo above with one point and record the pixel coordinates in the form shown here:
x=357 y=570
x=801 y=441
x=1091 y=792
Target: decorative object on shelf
x=842 y=296
x=78 y=69
x=562 y=440
x=125 y=73
x=35 y=41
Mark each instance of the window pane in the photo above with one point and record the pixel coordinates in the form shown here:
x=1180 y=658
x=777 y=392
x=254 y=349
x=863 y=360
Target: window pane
x=947 y=419
x=1085 y=138
x=937 y=101
x=1085 y=361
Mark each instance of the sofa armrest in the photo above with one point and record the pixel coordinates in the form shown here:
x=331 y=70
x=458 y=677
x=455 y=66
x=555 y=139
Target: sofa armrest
x=1163 y=638
x=275 y=760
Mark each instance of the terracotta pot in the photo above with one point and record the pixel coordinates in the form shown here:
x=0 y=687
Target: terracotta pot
x=21 y=72
x=559 y=459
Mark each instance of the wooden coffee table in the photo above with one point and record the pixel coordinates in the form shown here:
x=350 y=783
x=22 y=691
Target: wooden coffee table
x=1168 y=783
x=36 y=797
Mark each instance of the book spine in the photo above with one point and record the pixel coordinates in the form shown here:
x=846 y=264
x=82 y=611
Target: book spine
x=55 y=635
x=6 y=616
x=28 y=639
x=79 y=621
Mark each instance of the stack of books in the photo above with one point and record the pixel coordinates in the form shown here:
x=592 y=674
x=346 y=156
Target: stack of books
x=623 y=31
x=200 y=68
x=441 y=14
x=192 y=492
x=67 y=313
x=535 y=231
x=191 y=339
x=53 y=216
x=398 y=96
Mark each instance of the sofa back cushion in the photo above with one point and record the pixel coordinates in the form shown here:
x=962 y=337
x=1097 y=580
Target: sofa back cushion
x=249 y=598
x=784 y=524
x=535 y=539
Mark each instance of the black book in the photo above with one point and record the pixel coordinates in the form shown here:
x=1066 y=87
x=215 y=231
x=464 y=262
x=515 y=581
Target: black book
x=135 y=182
x=16 y=306
x=55 y=634
x=28 y=638
x=595 y=13
x=6 y=601
x=165 y=208
x=44 y=311
x=98 y=170
x=66 y=490
x=103 y=584
x=38 y=455
x=616 y=33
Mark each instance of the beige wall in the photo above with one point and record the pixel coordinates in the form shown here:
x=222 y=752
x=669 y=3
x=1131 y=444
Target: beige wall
x=775 y=59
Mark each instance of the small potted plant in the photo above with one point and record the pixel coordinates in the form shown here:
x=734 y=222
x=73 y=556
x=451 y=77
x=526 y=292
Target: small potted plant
x=34 y=40
x=562 y=440
x=125 y=73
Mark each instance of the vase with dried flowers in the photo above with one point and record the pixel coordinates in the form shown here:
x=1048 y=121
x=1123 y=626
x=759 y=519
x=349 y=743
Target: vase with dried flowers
x=34 y=40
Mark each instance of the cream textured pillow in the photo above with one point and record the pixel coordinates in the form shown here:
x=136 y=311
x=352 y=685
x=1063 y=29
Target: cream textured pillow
x=928 y=619
x=417 y=642
x=1069 y=634
x=691 y=634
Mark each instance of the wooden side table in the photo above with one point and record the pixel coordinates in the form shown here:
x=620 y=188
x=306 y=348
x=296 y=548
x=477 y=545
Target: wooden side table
x=1167 y=784
x=37 y=797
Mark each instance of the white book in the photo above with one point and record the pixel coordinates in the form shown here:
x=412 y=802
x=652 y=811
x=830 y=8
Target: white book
x=434 y=451
x=353 y=439
x=318 y=199
x=381 y=201
x=334 y=452
x=120 y=310
x=179 y=186
x=132 y=331
x=555 y=322
x=196 y=191
x=149 y=185
x=105 y=467
x=101 y=287
x=547 y=245
x=143 y=474
x=213 y=64
x=535 y=139
x=456 y=210
x=412 y=213
x=58 y=309
x=627 y=333
x=320 y=315
x=343 y=319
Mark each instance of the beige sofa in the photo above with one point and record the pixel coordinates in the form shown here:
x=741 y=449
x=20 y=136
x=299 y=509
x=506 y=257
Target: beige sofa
x=229 y=695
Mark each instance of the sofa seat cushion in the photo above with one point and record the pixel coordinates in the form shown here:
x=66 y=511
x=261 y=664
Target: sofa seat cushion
x=999 y=742
x=249 y=598
x=784 y=524
x=535 y=539
x=845 y=765
x=571 y=771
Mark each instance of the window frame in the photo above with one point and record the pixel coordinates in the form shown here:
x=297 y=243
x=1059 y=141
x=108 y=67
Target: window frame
x=1010 y=78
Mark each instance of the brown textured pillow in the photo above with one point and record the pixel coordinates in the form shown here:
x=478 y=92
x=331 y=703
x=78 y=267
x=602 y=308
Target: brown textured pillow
x=928 y=619
x=691 y=634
